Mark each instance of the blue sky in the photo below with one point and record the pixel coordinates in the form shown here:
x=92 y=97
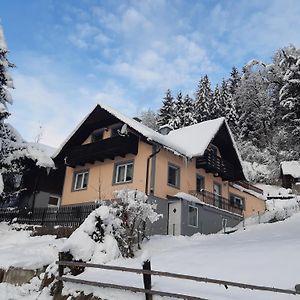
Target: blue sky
x=72 y=54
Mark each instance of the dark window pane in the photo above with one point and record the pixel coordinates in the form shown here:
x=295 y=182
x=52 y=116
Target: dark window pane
x=78 y=182
x=172 y=176
x=53 y=200
x=129 y=174
x=97 y=136
x=200 y=183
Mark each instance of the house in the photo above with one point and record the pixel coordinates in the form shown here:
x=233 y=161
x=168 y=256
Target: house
x=290 y=175
x=40 y=185
x=193 y=174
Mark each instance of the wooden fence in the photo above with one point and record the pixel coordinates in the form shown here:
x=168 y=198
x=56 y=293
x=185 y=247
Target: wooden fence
x=147 y=273
x=71 y=216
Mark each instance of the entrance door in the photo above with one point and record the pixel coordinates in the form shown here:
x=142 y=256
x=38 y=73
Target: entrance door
x=217 y=195
x=174 y=223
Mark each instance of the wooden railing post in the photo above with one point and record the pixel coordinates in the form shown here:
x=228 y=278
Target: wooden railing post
x=147 y=279
x=60 y=267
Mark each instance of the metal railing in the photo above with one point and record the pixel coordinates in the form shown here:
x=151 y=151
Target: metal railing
x=217 y=201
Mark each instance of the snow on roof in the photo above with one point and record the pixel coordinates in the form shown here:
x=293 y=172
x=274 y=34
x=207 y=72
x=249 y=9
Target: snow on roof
x=190 y=141
x=196 y=138
x=274 y=190
x=248 y=191
x=291 y=168
x=2 y=39
x=40 y=153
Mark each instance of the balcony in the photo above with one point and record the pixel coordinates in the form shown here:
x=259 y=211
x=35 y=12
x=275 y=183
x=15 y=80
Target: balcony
x=211 y=163
x=217 y=201
x=105 y=149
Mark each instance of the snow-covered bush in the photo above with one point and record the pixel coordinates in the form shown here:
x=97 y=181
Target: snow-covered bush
x=112 y=229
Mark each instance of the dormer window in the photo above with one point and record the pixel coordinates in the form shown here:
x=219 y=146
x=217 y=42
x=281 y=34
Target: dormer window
x=97 y=135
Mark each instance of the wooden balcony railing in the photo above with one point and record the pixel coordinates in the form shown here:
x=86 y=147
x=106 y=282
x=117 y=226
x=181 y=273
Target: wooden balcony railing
x=216 y=165
x=105 y=149
x=217 y=201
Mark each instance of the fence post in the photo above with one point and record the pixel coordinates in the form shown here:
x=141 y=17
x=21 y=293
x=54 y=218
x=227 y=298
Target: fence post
x=60 y=267
x=147 y=279
x=43 y=216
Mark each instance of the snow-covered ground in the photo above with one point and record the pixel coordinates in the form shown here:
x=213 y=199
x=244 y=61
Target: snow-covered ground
x=265 y=254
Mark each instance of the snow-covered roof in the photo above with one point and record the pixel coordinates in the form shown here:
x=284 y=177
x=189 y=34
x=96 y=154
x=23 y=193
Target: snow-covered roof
x=190 y=141
x=39 y=153
x=291 y=168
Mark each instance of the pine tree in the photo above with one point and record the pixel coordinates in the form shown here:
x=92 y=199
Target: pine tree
x=179 y=112
x=166 y=112
x=215 y=105
x=289 y=95
x=203 y=99
x=234 y=81
x=9 y=165
x=228 y=105
x=189 y=111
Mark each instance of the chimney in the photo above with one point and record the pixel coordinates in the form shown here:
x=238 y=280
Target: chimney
x=165 y=129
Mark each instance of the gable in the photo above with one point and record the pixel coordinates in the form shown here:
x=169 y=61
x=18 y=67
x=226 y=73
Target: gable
x=191 y=141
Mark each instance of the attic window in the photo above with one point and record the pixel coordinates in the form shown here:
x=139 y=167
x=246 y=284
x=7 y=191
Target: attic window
x=97 y=135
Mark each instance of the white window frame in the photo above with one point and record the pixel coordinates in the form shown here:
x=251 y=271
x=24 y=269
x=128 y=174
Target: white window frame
x=194 y=207
x=84 y=173
x=117 y=168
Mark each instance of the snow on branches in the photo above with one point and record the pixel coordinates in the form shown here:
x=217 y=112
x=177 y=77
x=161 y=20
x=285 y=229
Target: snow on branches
x=113 y=229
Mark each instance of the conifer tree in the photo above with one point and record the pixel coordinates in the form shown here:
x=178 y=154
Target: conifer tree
x=179 y=112
x=189 y=111
x=203 y=99
x=166 y=112
x=289 y=94
x=9 y=167
x=215 y=107
x=228 y=105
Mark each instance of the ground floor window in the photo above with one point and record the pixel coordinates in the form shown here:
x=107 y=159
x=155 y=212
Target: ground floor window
x=53 y=201
x=80 y=180
x=124 y=172
x=193 y=216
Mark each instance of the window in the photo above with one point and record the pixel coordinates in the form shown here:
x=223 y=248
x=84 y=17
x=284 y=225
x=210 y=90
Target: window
x=174 y=176
x=200 y=185
x=53 y=201
x=97 y=136
x=193 y=216
x=124 y=172
x=236 y=201
x=80 y=181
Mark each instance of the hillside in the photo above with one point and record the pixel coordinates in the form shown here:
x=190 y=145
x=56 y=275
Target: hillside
x=265 y=254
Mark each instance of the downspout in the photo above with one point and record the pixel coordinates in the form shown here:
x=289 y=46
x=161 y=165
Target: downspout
x=147 y=187
x=147 y=169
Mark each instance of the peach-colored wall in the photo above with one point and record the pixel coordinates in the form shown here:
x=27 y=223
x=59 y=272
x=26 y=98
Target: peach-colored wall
x=253 y=205
x=188 y=174
x=100 y=181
